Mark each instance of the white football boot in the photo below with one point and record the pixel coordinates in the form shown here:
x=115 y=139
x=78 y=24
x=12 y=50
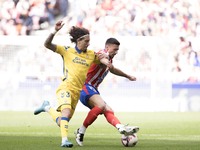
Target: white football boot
x=128 y=130
x=79 y=137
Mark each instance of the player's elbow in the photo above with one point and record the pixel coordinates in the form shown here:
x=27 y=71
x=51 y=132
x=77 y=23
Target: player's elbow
x=111 y=68
x=50 y=46
x=46 y=44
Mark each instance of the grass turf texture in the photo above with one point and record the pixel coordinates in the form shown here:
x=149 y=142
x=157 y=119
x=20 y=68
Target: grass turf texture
x=158 y=131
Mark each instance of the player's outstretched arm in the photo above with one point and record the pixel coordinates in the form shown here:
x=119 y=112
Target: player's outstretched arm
x=118 y=72
x=48 y=42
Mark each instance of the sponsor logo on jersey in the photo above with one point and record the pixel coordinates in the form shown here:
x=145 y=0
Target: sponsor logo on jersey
x=78 y=60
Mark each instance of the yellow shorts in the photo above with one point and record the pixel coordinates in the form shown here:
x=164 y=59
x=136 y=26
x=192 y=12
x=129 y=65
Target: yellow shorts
x=67 y=98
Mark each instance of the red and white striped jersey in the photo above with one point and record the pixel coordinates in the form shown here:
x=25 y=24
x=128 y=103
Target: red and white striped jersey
x=96 y=74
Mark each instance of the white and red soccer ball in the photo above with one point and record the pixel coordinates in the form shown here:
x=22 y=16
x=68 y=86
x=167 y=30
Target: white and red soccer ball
x=129 y=140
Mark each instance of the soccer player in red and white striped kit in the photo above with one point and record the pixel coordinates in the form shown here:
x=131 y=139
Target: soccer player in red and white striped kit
x=90 y=96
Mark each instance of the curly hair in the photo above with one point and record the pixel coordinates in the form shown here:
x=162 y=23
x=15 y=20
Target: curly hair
x=77 y=32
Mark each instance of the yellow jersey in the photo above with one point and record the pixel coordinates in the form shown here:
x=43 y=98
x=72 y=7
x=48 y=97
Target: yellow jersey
x=76 y=64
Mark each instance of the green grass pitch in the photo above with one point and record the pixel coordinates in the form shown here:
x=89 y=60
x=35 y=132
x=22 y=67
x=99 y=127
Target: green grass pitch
x=158 y=131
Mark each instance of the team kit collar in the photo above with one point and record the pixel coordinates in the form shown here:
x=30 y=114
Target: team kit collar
x=78 y=50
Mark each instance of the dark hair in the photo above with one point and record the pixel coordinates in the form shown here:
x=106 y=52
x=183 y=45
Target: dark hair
x=112 y=41
x=182 y=38
x=77 y=32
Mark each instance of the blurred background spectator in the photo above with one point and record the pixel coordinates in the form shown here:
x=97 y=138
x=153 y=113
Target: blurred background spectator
x=23 y=17
x=126 y=18
x=114 y=17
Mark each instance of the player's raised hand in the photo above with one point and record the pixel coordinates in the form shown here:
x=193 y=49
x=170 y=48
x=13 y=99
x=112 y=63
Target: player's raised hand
x=59 y=25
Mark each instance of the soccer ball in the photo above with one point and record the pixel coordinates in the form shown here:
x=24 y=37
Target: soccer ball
x=129 y=140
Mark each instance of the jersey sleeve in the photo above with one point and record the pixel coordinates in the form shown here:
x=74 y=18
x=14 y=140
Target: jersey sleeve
x=96 y=59
x=61 y=49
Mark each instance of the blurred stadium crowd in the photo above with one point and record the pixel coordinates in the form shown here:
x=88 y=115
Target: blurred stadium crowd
x=140 y=17
x=126 y=18
x=114 y=17
x=21 y=17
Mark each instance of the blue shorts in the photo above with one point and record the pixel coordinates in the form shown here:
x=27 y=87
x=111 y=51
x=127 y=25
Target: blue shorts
x=87 y=91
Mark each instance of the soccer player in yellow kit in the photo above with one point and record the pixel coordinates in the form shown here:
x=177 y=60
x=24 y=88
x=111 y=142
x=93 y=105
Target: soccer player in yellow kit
x=77 y=61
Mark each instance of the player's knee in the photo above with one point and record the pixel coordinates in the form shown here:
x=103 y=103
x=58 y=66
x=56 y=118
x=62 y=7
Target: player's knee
x=102 y=106
x=108 y=108
x=66 y=112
